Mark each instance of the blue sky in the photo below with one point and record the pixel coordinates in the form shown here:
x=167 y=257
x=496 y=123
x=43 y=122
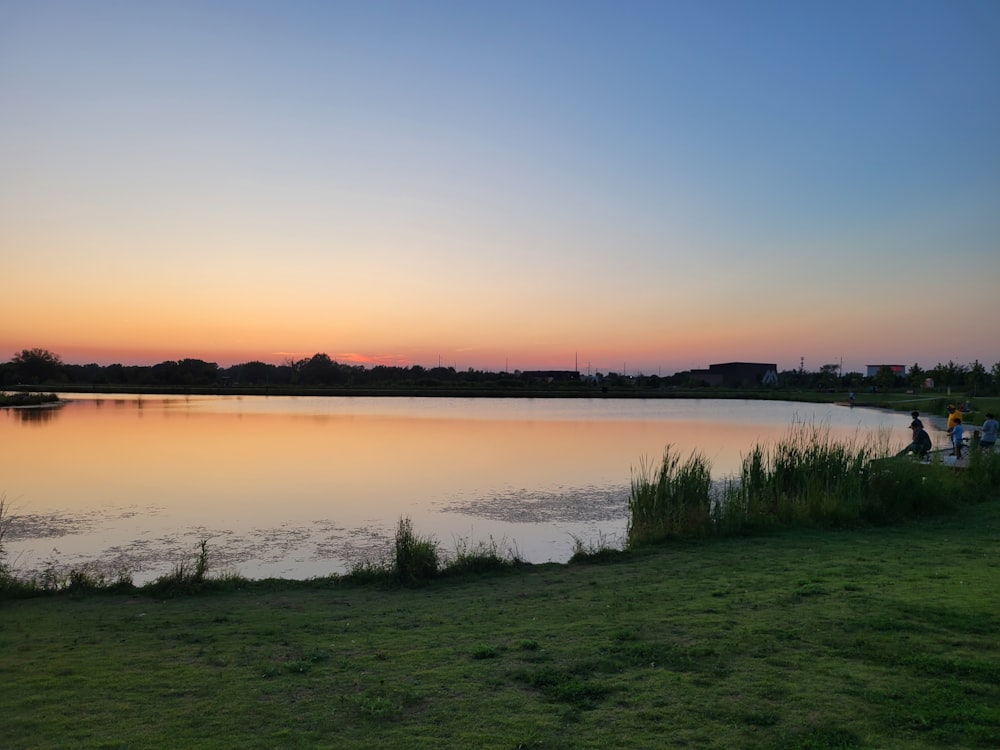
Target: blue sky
x=649 y=185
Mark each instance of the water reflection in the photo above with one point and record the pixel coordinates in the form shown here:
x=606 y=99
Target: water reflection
x=298 y=487
x=34 y=414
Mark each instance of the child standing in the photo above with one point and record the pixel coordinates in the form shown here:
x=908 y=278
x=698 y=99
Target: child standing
x=956 y=436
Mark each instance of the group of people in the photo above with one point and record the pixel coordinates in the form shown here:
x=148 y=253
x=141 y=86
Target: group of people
x=986 y=438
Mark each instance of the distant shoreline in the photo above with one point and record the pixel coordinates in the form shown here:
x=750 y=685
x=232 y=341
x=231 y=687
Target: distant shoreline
x=549 y=391
x=930 y=403
x=47 y=405
x=29 y=400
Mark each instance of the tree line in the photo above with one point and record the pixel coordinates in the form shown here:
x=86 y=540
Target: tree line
x=41 y=367
x=973 y=378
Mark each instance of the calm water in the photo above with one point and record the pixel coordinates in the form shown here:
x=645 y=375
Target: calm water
x=301 y=487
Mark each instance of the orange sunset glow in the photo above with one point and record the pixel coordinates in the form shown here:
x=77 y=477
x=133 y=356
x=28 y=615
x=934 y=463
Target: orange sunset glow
x=499 y=187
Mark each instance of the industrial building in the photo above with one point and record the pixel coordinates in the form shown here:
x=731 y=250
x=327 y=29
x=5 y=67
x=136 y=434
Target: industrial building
x=738 y=374
x=897 y=370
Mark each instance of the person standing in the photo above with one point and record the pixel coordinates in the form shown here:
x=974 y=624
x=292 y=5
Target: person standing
x=956 y=437
x=988 y=438
x=953 y=417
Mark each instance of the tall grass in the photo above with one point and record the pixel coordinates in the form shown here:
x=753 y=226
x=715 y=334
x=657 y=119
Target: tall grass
x=983 y=475
x=484 y=556
x=805 y=479
x=415 y=560
x=189 y=576
x=416 y=556
x=5 y=521
x=673 y=499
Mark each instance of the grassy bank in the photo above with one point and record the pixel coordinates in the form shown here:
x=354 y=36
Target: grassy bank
x=870 y=638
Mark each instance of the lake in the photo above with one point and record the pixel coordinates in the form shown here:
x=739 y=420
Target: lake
x=298 y=487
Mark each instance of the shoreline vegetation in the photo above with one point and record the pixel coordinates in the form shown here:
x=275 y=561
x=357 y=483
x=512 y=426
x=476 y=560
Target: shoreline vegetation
x=28 y=399
x=37 y=369
x=807 y=479
x=830 y=596
x=871 y=636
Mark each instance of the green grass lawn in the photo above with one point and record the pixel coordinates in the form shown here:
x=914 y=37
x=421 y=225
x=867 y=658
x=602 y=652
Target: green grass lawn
x=872 y=638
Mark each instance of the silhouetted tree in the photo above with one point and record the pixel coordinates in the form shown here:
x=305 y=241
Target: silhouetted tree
x=164 y=373
x=320 y=370
x=828 y=375
x=885 y=377
x=253 y=373
x=92 y=373
x=197 y=372
x=35 y=366
x=977 y=377
x=949 y=375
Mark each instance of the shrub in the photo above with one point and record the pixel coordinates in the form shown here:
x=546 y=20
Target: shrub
x=901 y=488
x=27 y=399
x=485 y=651
x=416 y=557
x=482 y=557
x=187 y=576
x=599 y=550
x=368 y=571
x=982 y=477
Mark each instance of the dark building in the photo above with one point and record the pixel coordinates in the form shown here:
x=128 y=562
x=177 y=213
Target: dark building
x=897 y=370
x=551 y=376
x=738 y=374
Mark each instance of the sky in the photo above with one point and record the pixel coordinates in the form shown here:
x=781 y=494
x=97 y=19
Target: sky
x=639 y=187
